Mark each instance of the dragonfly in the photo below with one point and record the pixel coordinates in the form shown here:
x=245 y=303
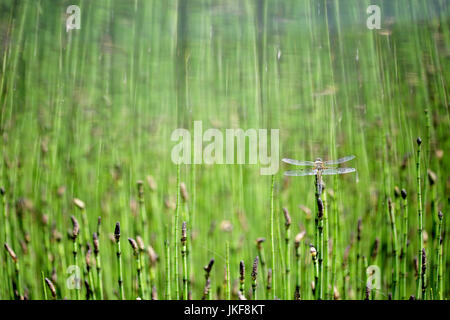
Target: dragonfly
x=319 y=167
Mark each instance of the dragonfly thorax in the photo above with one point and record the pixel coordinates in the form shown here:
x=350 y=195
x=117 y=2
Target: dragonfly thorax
x=318 y=163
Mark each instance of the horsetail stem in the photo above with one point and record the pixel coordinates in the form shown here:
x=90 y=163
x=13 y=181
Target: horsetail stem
x=440 y=277
x=75 y=232
x=287 y=253
x=142 y=212
x=17 y=279
x=88 y=261
x=394 y=249
x=298 y=239
x=404 y=253
x=185 y=263
x=153 y=259
x=272 y=237
x=98 y=265
x=313 y=253
x=424 y=273
x=175 y=235
x=242 y=278
x=207 y=288
x=119 y=261
x=227 y=272
x=137 y=257
x=262 y=259
x=269 y=281
x=254 y=277
x=319 y=283
x=168 y=278
x=80 y=205
x=420 y=219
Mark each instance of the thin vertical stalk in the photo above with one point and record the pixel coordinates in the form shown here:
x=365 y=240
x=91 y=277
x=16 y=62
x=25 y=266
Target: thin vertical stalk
x=404 y=254
x=176 y=236
x=287 y=254
x=185 y=262
x=119 y=261
x=394 y=249
x=420 y=220
x=272 y=238
x=440 y=278
x=254 y=277
x=227 y=271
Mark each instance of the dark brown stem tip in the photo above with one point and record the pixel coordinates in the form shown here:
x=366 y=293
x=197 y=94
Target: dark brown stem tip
x=208 y=267
x=117 y=232
x=404 y=194
x=2 y=191
x=241 y=269
x=287 y=217
x=76 y=227
x=419 y=141
x=440 y=215
x=51 y=287
x=412 y=297
x=11 y=252
x=99 y=221
x=133 y=244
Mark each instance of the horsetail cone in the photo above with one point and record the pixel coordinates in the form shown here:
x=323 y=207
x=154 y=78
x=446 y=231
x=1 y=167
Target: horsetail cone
x=117 y=232
x=254 y=276
x=51 y=287
x=242 y=275
x=2 y=191
x=208 y=267
x=140 y=243
x=287 y=217
x=79 y=204
x=134 y=246
x=76 y=227
x=183 y=192
x=96 y=243
x=11 y=253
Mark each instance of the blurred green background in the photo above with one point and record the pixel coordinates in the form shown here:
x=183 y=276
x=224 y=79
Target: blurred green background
x=93 y=110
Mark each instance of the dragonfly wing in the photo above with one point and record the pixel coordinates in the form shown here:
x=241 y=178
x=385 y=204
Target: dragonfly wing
x=298 y=163
x=298 y=173
x=337 y=171
x=341 y=160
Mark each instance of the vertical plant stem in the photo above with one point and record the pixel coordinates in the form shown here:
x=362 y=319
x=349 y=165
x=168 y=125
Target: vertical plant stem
x=287 y=254
x=404 y=254
x=168 y=278
x=272 y=238
x=420 y=220
x=185 y=262
x=98 y=265
x=394 y=249
x=440 y=278
x=228 y=280
x=176 y=236
x=119 y=261
x=254 y=278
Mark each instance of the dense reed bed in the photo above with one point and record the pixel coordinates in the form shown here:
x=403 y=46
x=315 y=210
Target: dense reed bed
x=90 y=198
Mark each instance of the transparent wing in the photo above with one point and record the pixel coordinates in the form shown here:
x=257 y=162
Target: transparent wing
x=337 y=171
x=341 y=160
x=298 y=173
x=298 y=163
